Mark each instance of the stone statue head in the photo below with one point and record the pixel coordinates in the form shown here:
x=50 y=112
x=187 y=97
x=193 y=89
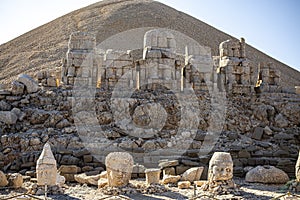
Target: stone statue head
x=119 y=167
x=220 y=167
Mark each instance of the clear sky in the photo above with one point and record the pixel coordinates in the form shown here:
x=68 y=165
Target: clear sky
x=272 y=26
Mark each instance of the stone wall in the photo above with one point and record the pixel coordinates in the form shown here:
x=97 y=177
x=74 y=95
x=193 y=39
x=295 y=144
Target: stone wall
x=258 y=130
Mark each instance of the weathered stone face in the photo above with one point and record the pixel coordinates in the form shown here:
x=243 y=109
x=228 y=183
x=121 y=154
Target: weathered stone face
x=220 y=167
x=220 y=173
x=119 y=166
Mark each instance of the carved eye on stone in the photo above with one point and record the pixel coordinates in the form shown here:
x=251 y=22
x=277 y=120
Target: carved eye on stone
x=228 y=170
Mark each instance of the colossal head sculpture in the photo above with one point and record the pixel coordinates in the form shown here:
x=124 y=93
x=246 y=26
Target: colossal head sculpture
x=119 y=167
x=220 y=167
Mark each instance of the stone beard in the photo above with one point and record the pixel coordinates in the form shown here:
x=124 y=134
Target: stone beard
x=220 y=174
x=119 y=167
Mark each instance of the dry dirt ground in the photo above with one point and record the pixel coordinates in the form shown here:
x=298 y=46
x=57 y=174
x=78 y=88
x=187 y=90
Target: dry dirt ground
x=249 y=191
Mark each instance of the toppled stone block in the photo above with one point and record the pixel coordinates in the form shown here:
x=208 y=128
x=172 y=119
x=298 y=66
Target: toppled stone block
x=192 y=174
x=170 y=179
x=85 y=179
x=31 y=85
x=8 y=117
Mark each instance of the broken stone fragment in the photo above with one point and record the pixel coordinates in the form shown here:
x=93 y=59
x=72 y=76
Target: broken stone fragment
x=8 y=117
x=15 y=180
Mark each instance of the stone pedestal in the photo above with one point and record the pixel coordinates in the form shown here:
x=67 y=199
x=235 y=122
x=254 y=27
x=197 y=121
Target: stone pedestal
x=152 y=176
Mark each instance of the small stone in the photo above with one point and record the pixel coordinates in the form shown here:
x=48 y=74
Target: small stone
x=244 y=154
x=102 y=183
x=184 y=184
x=268 y=131
x=258 y=133
x=200 y=183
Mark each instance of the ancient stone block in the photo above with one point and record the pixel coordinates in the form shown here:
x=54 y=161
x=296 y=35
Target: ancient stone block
x=192 y=174
x=167 y=179
x=171 y=163
x=152 y=176
x=258 y=133
x=31 y=85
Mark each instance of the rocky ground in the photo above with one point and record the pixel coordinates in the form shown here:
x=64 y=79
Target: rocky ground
x=137 y=190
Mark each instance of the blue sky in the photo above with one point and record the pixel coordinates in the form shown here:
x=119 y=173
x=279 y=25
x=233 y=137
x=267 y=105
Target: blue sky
x=272 y=26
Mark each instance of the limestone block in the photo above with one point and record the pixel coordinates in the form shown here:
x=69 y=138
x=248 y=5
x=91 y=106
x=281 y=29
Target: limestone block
x=152 y=176
x=8 y=117
x=258 y=133
x=266 y=174
x=68 y=169
x=17 y=88
x=200 y=183
x=166 y=163
x=46 y=167
x=169 y=171
x=184 y=185
x=167 y=179
x=192 y=174
x=31 y=85
x=3 y=179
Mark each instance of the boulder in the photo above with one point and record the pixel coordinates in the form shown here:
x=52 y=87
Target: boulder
x=31 y=85
x=8 y=117
x=192 y=174
x=170 y=179
x=15 y=180
x=266 y=174
x=3 y=180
